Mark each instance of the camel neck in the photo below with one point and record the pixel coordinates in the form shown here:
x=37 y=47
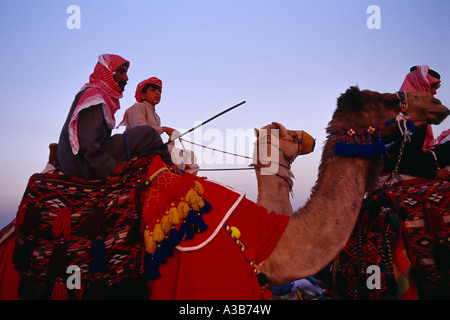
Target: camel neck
x=274 y=190
x=318 y=231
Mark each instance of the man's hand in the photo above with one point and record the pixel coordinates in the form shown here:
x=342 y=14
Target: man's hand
x=171 y=132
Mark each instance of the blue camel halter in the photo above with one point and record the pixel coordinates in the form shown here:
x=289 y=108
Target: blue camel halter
x=368 y=148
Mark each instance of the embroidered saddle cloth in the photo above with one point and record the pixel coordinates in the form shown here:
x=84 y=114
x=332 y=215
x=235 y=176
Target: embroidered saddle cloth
x=130 y=236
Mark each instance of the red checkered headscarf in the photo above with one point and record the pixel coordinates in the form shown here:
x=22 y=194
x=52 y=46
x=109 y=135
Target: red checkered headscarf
x=420 y=79
x=101 y=89
x=153 y=80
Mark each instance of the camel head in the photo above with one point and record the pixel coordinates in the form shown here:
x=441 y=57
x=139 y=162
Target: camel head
x=291 y=143
x=362 y=109
x=424 y=108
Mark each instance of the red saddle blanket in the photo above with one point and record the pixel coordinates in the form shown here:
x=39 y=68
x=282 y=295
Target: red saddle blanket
x=149 y=233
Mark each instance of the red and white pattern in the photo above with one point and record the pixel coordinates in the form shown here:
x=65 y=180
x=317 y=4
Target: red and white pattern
x=153 y=80
x=101 y=89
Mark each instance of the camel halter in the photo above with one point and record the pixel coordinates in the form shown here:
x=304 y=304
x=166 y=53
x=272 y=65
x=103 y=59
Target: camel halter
x=289 y=175
x=368 y=149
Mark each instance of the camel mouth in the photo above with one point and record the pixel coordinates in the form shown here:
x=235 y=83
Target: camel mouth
x=437 y=116
x=308 y=143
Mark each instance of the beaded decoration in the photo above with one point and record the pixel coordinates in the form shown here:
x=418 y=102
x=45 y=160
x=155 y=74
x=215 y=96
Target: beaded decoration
x=250 y=256
x=347 y=144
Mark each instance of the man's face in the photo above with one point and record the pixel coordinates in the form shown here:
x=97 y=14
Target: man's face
x=435 y=86
x=121 y=77
x=153 y=95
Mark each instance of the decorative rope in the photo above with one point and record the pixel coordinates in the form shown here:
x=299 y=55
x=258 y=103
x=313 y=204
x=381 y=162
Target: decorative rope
x=250 y=256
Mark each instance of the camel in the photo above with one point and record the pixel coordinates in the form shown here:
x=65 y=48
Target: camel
x=319 y=230
x=303 y=243
x=274 y=187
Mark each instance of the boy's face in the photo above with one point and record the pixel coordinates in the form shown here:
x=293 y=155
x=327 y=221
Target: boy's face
x=153 y=95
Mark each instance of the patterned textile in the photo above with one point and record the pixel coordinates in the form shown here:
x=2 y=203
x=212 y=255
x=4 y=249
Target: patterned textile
x=369 y=245
x=425 y=208
x=406 y=233
x=98 y=226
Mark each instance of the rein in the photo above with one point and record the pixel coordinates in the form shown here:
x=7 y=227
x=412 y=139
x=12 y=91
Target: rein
x=258 y=166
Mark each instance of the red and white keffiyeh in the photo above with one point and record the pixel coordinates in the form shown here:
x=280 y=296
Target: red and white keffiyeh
x=139 y=94
x=101 y=89
x=421 y=80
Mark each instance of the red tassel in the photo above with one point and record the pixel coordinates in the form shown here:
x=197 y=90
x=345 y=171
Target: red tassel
x=60 y=290
x=97 y=287
x=28 y=287
x=31 y=221
x=434 y=223
x=59 y=259
x=61 y=225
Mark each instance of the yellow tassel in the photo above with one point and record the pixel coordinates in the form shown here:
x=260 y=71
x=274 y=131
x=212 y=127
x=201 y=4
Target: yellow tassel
x=150 y=244
x=194 y=200
x=183 y=209
x=158 y=234
x=174 y=214
x=199 y=188
x=190 y=197
x=200 y=202
x=166 y=223
x=235 y=233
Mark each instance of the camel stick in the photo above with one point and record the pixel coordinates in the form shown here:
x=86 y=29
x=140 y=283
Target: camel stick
x=198 y=126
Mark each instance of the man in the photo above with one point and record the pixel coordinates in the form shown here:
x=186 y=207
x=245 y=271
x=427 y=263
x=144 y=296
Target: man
x=421 y=157
x=86 y=148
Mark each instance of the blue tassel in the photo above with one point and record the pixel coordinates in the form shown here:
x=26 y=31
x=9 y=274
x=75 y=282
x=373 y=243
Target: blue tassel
x=97 y=252
x=166 y=248
x=200 y=225
x=182 y=230
x=189 y=232
x=174 y=237
x=364 y=148
x=186 y=232
x=206 y=208
x=372 y=152
x=151 y=267
x=411 y=126
x=381 y=148
x=356 y=149
x=348 y=149
x=339 y=149
x=158 y=255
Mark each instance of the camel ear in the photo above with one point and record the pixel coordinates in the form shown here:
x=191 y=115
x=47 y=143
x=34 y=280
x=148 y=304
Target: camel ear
x=256 y=132
x=280 y=127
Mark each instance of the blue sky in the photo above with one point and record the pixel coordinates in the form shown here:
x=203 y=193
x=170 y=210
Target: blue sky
x=289 y=60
